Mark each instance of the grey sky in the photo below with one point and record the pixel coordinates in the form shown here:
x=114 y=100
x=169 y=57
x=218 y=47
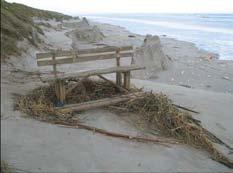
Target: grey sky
x=74 y=7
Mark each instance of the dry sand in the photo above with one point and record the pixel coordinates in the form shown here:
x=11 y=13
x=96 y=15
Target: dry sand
x=40 y=147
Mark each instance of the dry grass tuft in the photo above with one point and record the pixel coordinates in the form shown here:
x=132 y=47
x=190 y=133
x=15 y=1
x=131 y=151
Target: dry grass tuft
x=38 y=103
x=17 y=24
x=5 y=167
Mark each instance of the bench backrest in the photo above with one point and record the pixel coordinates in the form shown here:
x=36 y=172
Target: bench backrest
x=71 y=56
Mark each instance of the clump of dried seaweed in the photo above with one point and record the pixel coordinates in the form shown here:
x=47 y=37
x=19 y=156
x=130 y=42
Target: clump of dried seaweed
x=39 y=103
x=159 y=111
x=87 y=90
x=156 y=109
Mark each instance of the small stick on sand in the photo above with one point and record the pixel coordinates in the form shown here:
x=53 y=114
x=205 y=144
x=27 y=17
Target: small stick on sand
x=114 y=134
x=187 y=109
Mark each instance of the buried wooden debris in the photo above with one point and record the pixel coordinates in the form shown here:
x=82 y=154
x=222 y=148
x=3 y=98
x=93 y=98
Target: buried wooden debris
x=115 y=85
x=160 y=141
x=70 y=89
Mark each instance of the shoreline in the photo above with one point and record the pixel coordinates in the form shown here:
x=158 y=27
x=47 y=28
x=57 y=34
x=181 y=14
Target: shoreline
x=180 y=29
x=163 y=36
x=206 y=70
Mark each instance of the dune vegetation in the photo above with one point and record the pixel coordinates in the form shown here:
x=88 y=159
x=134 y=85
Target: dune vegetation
x=17 y=24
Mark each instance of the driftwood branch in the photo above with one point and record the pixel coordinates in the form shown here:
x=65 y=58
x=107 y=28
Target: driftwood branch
x=118 y=135
x=184 y=108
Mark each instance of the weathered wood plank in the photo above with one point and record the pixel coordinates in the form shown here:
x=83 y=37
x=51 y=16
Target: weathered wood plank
x=43 y=55
x=57 y=61
x=56 y=52
x=121 y=69
x=98 y=103
x=81 y=58
x=60 y=53
x=124 y=53
x=103 y=53
x=105 y=49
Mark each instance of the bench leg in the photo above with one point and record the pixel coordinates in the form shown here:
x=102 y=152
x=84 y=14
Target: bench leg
x=118 y=79
x=60 y=92
x=127 y=80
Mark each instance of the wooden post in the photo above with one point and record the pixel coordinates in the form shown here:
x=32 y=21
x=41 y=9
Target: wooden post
x=56 y=83
x=59 y=85
x=127 y=80
x=118 y=74
x=54 y=66
x=60 y=92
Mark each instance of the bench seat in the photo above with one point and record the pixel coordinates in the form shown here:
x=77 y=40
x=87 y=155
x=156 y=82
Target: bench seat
x=82 y=74
x=56 y=57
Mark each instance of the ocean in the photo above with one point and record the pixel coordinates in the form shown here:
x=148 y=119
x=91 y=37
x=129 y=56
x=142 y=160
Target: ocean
x=212 y=32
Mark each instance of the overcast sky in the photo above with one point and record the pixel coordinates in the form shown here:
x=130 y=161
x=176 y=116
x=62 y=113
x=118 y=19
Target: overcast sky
x=75 y=7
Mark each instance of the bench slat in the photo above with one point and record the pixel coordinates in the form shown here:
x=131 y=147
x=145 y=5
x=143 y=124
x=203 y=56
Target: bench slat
x=122 y=69
x=105 y=49
x=82 y=58
x=59 y=53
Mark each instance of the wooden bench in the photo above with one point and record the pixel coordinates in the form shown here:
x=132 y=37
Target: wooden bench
x=70 y=56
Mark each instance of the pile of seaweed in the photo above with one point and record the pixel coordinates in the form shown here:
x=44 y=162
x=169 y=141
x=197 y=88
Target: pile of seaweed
x=155 y=109
x=40 y=102
x=159 y=111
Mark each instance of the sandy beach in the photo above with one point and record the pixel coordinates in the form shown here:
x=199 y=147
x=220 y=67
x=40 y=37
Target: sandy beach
x=191 y=77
